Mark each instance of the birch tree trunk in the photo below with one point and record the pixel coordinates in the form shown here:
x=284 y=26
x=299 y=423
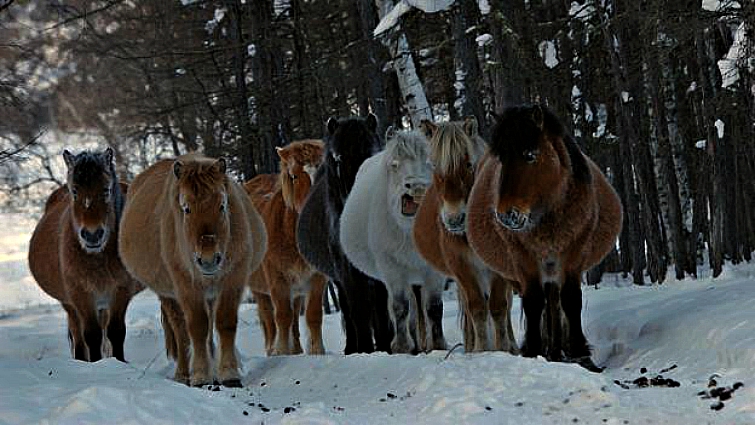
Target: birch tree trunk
x=412 y=90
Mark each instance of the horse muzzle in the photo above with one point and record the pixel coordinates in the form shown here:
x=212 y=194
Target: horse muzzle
x=455 y=223
x=93 y=242
x=514 y=220
x=209 y=267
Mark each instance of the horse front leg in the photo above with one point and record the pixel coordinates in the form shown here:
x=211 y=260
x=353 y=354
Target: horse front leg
x=298 y=303
x=571 y=299
x=116 y=329
x=400 y=308
x=75 y=334
x=89 y=322
x=474 y=308
x=195 y=312
x=381 y=318
x=226 y=322
x=501 y=298
x=533 y=301
x=553 y=323
x=433 y=308
x=280 y=293
x=360 y=306
x=265 y=312
x=317 y=284
x=177 y=341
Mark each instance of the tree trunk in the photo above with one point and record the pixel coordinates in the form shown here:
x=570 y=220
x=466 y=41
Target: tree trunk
x=468 y=76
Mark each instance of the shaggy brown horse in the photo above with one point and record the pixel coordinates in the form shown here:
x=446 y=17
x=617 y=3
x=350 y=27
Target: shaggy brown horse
x=73 y=255
x=440 y=235
x=540 y=213
x=191 y=234
x=285 y=277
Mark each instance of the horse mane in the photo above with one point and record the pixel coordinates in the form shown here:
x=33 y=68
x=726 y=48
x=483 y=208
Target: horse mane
x=451 y=148
x=305 y=152
x=405 y=144
x=515 y=131
x=198 y=175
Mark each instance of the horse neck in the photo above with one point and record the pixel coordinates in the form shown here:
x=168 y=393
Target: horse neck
x=119 y=201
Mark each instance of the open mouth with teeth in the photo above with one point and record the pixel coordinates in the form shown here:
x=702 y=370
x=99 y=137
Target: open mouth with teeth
x=409 y=205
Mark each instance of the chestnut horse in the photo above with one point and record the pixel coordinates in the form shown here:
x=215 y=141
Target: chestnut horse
x=73 y=255
x=285 y=277
x=191 y=234
x=348 y=143
x=541 y=213
x=440 y=235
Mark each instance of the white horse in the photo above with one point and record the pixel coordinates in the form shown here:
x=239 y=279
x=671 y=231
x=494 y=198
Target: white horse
x=376 y=235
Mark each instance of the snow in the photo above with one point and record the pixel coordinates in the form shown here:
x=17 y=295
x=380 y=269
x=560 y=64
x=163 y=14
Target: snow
x=547 y=51
x=391 y=19
x=737 y=53
x=701 y=144
x=484 y=39
x=720 y=128
x=484 y=6
x=703 y=326
x=581 y=11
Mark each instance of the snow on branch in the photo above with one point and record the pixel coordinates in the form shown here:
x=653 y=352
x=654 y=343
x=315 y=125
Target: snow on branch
x=391 y=18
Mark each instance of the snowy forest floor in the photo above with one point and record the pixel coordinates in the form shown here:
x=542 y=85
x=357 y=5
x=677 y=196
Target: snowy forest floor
x=699 y=329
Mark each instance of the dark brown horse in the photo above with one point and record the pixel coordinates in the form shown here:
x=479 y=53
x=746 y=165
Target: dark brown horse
x=541 y=213
x=73 y=255
x=285 y=277
x=440 y=235
x=191 y=234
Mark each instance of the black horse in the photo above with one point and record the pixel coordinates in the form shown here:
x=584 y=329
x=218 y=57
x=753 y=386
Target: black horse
x=364 y=302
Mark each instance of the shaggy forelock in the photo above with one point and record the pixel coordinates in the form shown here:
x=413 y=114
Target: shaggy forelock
x=199 y=177
x=451 y=148
x=89 y=168
x=406 y=145
x=515 y=131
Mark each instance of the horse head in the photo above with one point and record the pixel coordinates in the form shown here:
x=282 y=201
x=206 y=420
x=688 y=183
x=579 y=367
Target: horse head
x=455 y=148
x=348 y=143
x=299 y=163
x=202 y=202
x=95 y=195
x=538 y=162
x=408 y=168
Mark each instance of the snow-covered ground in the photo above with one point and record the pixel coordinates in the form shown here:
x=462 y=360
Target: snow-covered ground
x=705 y=328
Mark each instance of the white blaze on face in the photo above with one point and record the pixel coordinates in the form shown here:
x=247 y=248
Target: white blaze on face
x=311 y=170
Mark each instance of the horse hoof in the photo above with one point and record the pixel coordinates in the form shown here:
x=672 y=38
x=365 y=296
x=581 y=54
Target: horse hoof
x=232 y=383
x=587 y=363
x=200 y=382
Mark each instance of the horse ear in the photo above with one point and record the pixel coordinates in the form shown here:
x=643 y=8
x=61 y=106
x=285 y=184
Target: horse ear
x=69 y=158
x=332 y=125
x=177 y=166
x=109 y=155
x=471 y=126
x=220 y=165
x=390 y=133
x=282 y=153
x=428 y=127
x=537 y=116
x=372 y=121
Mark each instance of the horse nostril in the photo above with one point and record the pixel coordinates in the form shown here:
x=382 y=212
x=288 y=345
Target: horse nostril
x=408 y=185
x=199 y=261
x=218 y=259
x=99 y=233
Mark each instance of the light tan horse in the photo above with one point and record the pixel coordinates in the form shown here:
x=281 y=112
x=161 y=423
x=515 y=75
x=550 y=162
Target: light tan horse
x=440 y=235
x=73 y=255
x=285 y=277
x=191 y=234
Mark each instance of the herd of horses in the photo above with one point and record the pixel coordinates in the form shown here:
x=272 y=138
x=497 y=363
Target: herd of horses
x=386 y=221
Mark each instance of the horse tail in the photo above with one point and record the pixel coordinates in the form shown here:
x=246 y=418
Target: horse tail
x=171 y=346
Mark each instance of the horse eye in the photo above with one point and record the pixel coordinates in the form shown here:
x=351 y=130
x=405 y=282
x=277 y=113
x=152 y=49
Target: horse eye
x=74 y=193
x=293 y=176
x=222 y=207
x=531 y=156
x=186 y=209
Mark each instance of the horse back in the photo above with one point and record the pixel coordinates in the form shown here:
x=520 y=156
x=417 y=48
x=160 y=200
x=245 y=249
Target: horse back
x=248 y=235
